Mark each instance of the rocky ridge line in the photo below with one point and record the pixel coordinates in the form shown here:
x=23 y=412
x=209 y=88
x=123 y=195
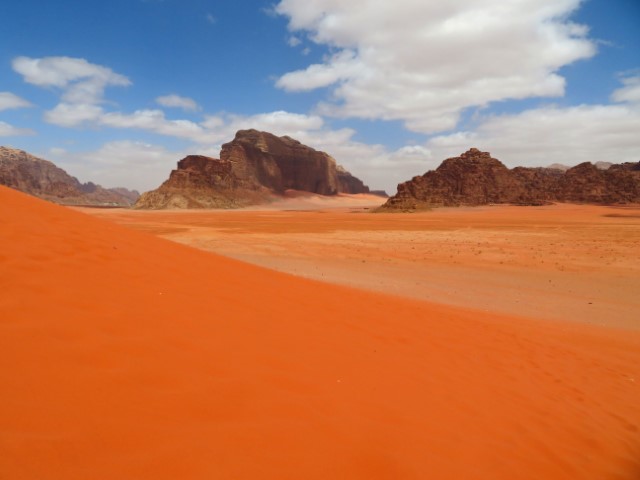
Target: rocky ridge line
x=476 y=178
x=42 y=178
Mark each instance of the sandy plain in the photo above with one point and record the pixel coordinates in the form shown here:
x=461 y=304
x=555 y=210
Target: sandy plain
x=560 y=262
x=126 y=355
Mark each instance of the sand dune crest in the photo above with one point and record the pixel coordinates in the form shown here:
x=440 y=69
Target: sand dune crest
x=127 y=356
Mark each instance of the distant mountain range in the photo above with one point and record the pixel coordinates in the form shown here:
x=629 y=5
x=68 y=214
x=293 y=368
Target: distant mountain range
x=256 y=167
x=476 y=178
x=42 y=178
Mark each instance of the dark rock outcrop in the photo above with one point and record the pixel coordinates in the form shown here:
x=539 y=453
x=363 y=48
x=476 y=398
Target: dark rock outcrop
x=42 y=178
x=252 y=169
x=205 y=182
x=347 y=183
x=476 y=178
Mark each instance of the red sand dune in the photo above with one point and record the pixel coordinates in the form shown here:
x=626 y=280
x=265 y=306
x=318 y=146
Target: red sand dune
x=125 y=356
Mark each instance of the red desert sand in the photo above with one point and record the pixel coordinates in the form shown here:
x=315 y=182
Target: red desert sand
x=126 y=356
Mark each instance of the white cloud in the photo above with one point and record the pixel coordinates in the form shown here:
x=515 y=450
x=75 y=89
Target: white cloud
x=77 y=115
x=9 y=100
x=630 y=92
x=293 y=41
x=341 y=66
x=536 y=137
x=82 y=82
x=176 y=101
x=154 y=121
x=134 y=165
x=82 y=85
x=7 y=130
x=71 y=115
x=542 y=136
x=211 y=18
x=223 y=128
x=423 y=62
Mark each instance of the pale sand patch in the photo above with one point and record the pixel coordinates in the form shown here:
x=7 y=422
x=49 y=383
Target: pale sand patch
x=561 y=262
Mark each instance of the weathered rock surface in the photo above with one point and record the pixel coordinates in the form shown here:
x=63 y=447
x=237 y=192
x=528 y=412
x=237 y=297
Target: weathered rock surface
x=252 y=168
x=476 y=178
x=42 y=178
x=347 y=183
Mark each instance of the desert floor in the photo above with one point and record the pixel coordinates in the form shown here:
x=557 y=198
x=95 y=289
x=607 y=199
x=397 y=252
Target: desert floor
x=509 y=347
x=561 y=262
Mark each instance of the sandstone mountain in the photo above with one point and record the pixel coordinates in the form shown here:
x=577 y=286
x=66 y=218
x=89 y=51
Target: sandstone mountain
x=42 y=178
x=252 y=168
x=476 y=178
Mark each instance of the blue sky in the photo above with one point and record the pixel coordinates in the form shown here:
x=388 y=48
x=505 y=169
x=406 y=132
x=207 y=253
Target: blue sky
x=116 y=92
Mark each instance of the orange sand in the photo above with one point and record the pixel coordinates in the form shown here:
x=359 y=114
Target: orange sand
x=561 y=262
x=127 y=356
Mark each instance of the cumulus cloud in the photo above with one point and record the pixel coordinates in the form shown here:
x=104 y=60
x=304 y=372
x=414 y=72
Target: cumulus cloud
x=542 y=136
x=222 y=128
x=7 y=130
x=82 y=82
x=423 y=62
x=341 y=66
x=156 y=122
x=176 y=101
x=134 y=165
x=9 y=101
x=535 y=137
x=83 y=85
x=630 y=92
x=72 y=115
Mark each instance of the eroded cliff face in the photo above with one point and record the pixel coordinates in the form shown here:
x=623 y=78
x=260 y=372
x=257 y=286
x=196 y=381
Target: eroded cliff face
x=205 y=182
x=476 y=178
x=347 y=183
x=252 y=168
x=281 y=163
x=42 y=178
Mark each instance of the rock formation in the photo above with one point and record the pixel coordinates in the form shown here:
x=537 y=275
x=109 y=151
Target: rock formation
x=252 y=168
x=476 y=178
x=42 y=178
x=347 y=183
